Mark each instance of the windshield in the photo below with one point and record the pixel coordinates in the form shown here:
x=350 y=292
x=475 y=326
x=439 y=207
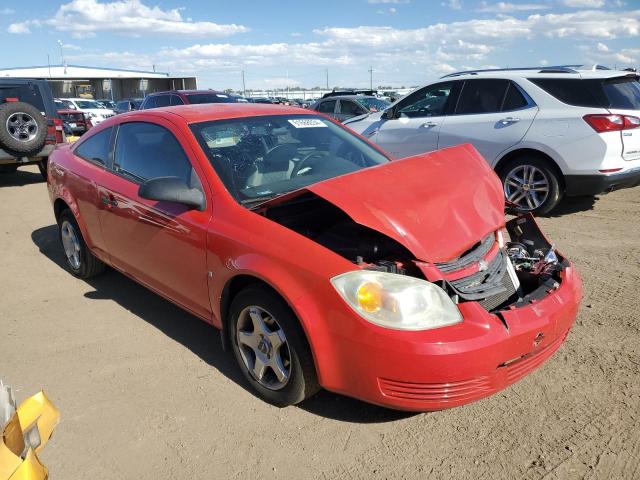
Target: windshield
x=258 y=158
x=374 y=104
x=87 y=104
x=210 y=98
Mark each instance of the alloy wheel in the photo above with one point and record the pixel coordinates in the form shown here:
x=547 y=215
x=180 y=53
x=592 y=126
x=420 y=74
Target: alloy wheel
x=526 y=186
x=22 y=126
x=263 y=347
x=71 y=244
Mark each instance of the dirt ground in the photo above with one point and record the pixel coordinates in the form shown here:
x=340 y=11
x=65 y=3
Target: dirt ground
x=146 y=391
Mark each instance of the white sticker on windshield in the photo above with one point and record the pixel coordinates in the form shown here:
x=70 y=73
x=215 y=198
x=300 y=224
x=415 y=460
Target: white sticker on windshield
x=307 y=123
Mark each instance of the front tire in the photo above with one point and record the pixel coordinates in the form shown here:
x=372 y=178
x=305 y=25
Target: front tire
x=81 y=262
x=530 y=184
x=271 y=348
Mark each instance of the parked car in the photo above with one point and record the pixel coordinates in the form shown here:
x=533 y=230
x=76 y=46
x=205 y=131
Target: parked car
x=323 y=262
x=128 y=105
x=339 y=92
x=187 y=97
x=344 y=107
x=110 y=104
x=30 y=127
x=547 y=132
x=265 y=100
x=76 y=121
x=94 y=111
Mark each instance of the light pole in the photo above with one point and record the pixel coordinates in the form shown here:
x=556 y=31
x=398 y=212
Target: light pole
x=61 y=54
x=244 y=88
x=371 y=77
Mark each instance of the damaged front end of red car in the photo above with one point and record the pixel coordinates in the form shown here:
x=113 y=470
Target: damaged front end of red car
x=516 y=294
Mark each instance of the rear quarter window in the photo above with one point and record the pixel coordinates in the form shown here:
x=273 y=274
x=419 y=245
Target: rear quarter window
x=95 y=149
x=619 y=93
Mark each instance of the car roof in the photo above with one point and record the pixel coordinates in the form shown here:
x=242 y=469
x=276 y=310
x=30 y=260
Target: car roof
x=184 y=92
x=572 y=71
x=220 y=111
x=347 y=97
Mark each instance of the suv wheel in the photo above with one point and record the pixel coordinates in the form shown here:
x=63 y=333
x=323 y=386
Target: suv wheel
x=81 y=262
x=271 y=348
x=23 y=129
x=531 y=185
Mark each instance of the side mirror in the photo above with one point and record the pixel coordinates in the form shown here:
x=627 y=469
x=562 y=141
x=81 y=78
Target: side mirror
x=172 y=189
x=389 y=114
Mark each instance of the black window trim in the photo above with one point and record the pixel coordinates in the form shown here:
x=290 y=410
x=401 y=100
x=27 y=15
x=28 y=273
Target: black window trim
x=529 y=100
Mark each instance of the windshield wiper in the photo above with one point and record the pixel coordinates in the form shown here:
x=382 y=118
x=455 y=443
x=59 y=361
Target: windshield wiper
x=252 y=203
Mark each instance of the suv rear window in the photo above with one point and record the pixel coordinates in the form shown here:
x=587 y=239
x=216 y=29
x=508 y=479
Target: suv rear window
x=621 y=92
x=23 y=93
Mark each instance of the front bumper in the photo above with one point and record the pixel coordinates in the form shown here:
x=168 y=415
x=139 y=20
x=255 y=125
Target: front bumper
x=452 y=366
x=577 y=185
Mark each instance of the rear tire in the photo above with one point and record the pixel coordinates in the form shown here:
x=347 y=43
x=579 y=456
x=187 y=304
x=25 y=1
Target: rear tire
x=531 y=184
x=23 y=129
x=81 y=262
x=42 y=166
x=256 y=351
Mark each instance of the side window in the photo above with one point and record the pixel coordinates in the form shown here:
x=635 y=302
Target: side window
x=327 y=107
x=122 y=105
x=482 y=96
x=514 y=99
x=95 y=148
x=430 y=101
x=146 y=150
x=348 y=107
x=163 y=100
x=150 y=102
x=176 y=100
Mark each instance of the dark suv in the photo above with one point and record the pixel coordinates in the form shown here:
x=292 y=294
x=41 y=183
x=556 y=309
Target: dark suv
x=29 y=124
x=343 y=107
x=187 y=97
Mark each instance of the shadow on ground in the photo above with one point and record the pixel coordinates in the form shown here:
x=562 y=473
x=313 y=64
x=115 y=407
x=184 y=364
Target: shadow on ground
x=199 y=337
x=569 y=205
x=19 y=178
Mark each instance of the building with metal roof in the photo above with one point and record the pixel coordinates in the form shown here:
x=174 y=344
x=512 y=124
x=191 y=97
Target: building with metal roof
x=101 y=83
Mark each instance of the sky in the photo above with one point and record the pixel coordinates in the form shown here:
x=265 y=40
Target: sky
x=280 y=43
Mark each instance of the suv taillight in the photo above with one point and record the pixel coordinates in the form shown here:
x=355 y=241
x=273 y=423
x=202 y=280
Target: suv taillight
x=611 y=123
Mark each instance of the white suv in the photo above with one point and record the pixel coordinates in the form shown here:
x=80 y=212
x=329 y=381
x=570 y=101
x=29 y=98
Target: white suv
x=93 y=109
x=547 y=132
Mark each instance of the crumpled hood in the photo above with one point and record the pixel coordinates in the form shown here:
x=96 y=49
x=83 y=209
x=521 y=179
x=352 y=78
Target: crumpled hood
x=437 y=204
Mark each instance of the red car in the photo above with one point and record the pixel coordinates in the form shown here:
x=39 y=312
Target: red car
x=322 y=262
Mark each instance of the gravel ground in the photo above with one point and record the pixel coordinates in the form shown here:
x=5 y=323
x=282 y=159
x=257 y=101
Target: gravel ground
x=146 y=392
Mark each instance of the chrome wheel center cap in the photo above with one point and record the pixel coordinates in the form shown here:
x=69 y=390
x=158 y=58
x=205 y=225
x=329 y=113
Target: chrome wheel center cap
x=264 y=347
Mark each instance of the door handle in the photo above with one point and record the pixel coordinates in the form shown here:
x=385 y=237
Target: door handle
x=506 y=121
x=428 y=125
x=109 y=201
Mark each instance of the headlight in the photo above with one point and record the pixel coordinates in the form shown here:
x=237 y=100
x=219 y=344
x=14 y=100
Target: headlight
x=397 y=301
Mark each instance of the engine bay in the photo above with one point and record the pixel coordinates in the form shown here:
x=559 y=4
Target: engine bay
x=521 y=270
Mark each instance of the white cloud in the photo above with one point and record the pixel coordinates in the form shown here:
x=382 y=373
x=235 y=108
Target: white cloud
x=7 y=11
x=507 y=7
x=583 y=3
x=85 y=18
x=453 y=4
x=18 y=28
x=602 y=47
x=412 y=53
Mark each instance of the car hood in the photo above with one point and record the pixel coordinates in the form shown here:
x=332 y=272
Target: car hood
x=437 y=205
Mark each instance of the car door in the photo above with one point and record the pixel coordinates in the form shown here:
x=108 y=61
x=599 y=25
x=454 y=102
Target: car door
x=412 y=126
x=491 y=114
x=161 y=244
x=84 y=181
x=347 y=109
